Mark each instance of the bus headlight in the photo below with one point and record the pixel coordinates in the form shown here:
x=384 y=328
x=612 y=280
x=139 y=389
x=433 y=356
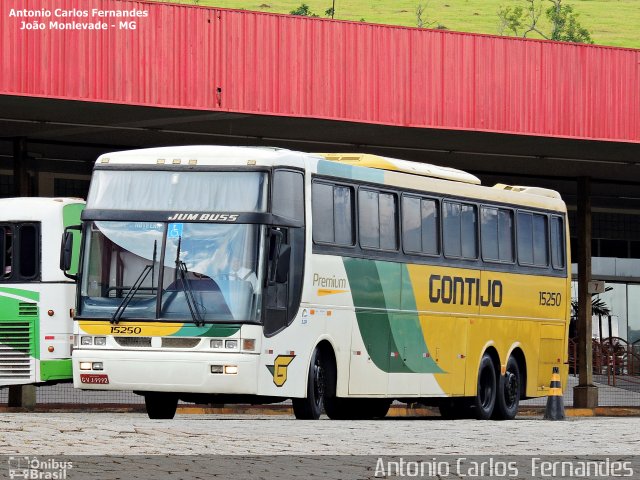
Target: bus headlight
x=230 y=369
x=100 y=341
x=97 y=366
x=216 y=343
x=86 y=341
x=85 y=365
x=231 y=344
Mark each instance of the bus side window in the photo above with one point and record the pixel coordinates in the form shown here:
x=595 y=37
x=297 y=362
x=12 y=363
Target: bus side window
x=6 y=250
x=28 y=248
x=459 y=222
x=557 y=243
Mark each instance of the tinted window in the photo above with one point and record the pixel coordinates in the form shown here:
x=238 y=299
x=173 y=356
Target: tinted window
x=557 y=242
x=497 y=234
x=368 y=218
x=388 y=230
x=460 y=230
x=505 y=235
x=377 y=219
x=7 y=250
x=420 y=225
x=533 y=235
x=288 y=197
x=540 y=240
x=411 y=224
x=343 y=215
x=322 y=210
x=332 y=208
x=28 y=251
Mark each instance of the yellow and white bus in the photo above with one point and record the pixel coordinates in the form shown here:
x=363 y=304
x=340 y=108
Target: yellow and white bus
x=36 y=299
x=218 y=274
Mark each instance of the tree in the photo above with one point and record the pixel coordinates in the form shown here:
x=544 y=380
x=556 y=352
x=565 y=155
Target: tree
x=562 y=18
x=422 y=18
x=303 y=10
x=511 y=19
x=565 y=25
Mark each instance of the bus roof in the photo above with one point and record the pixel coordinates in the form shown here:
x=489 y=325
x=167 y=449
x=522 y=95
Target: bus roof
x=394 y=164
x=32 y=208
x=365 y=167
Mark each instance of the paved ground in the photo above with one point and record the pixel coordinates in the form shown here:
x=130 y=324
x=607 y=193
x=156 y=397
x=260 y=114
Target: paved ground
x=132 y=433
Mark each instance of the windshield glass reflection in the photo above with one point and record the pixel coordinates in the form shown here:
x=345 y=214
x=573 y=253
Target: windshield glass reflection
x=208 y=272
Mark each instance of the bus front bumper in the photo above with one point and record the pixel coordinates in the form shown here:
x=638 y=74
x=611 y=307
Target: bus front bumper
x=165 y=371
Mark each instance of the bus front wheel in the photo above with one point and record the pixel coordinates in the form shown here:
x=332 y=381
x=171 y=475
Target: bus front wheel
x=508 y=398
x=160 y=405
x=321 y=374
x=485 y=399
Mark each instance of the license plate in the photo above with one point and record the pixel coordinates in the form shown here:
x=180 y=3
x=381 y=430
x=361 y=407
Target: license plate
x=94 y=378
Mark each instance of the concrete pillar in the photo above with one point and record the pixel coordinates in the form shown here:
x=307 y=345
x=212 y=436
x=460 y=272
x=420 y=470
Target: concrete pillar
x=585 y=394
x=22 y=396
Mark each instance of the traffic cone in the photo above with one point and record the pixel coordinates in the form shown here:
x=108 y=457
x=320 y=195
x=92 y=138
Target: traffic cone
x=555 y=402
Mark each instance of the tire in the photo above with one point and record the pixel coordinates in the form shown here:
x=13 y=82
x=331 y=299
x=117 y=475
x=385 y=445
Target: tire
x=508 y=396
x=484 y=401
x=321 y=378
x=161 y=406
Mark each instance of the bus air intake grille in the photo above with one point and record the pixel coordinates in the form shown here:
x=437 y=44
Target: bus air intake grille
x=136 y=342
x=16 y=350
x=27 y=309
x=176 y=342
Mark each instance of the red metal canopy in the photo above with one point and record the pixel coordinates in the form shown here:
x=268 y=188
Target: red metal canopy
x=224 y=60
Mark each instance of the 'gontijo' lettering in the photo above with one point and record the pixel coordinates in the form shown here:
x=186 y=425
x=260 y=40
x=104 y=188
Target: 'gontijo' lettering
x=464 y=291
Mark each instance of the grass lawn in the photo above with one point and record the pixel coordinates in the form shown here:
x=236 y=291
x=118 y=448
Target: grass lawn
x=611 y=22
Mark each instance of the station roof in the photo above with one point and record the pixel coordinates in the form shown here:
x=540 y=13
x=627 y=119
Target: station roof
x=499 y=107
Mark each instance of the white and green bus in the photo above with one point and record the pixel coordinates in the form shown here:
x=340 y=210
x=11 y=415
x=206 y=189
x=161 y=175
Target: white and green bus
x=216 y=274
x=36 y=299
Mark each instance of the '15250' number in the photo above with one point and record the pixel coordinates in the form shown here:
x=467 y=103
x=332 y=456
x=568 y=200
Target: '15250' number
x=551 y=299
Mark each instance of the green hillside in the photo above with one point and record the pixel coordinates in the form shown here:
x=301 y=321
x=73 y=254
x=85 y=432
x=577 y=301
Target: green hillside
x=610 y=22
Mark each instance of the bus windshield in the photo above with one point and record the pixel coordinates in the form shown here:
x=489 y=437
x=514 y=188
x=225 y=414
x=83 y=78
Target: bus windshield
x=172 y=271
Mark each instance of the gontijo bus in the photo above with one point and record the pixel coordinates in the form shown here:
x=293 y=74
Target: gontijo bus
x=36 y=299
x=228 y=274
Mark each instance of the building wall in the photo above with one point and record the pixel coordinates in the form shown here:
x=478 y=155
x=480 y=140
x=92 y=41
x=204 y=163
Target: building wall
x=223 y=60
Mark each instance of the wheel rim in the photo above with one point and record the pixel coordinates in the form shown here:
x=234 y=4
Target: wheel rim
x=510 y=388
x=318 y=382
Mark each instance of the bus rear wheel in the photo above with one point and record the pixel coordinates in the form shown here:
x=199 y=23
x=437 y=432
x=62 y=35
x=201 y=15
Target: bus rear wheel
x=160 y=405
x=484 y=401
x=321 y=374
x=508 y=398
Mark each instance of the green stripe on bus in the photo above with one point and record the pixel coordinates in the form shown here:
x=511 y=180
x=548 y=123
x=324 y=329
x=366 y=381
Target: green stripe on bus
x=27 y=294
x=394 y=340
x=55 y=370
x=218 y=330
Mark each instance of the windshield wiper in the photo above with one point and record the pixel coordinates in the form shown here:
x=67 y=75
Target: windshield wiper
x=117 y=315
x=181 y=267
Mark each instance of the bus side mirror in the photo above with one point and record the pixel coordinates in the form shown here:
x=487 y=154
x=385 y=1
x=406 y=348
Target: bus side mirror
x=66 y=251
